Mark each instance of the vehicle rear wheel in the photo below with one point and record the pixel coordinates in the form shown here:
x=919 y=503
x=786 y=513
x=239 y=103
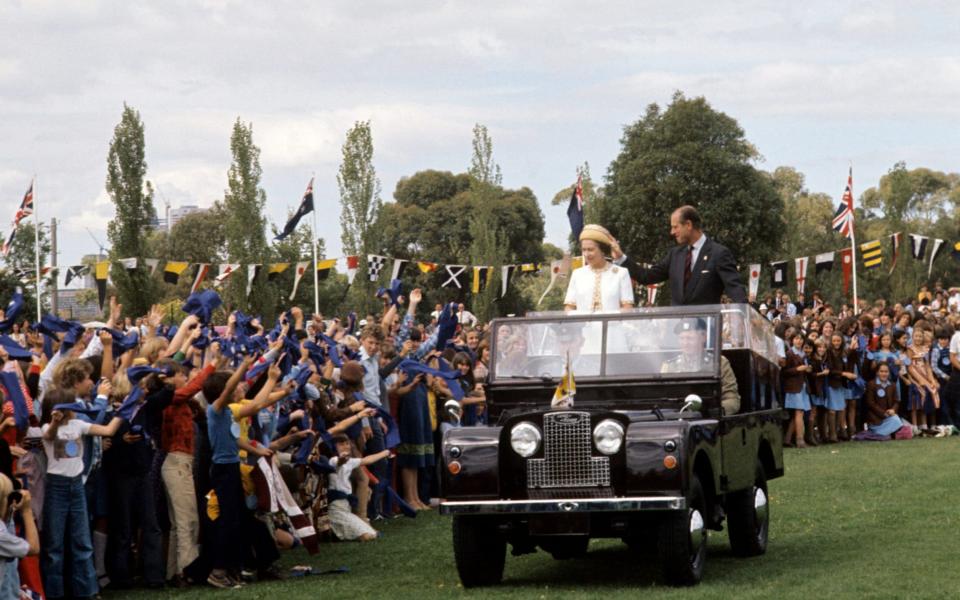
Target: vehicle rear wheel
x=479 y=550
x=749 y=517
x=682 y=540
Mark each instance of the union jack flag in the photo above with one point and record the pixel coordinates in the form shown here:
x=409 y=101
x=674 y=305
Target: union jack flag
x=25 y=210
x=843 y=218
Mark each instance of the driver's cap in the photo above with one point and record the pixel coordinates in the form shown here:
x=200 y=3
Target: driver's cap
x=691 y=324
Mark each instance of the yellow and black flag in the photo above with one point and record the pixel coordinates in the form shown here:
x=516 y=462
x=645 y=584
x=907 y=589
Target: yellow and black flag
x=872 y=254
x=956 y=251
x=481 y=276
x=275 y=270
x=101 y=273
x=173 y=270
x=324 y=267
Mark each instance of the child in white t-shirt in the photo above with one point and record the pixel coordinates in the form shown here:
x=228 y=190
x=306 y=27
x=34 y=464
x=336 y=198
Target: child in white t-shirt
x=65 y=502
x=346 y=525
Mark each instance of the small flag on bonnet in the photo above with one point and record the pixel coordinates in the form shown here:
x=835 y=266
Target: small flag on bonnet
x=567 y=388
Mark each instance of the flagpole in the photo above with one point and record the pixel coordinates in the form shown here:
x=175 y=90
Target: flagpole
x=316 y=278
x=36 y=242
x=853 y=245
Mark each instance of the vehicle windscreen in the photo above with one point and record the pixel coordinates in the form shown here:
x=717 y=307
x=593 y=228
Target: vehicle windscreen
x=637 y=347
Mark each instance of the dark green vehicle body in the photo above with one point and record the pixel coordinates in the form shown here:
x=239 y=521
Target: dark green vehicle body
x=672 y=466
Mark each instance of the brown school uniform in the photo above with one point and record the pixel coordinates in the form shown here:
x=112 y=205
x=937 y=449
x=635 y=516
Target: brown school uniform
x=879 y=399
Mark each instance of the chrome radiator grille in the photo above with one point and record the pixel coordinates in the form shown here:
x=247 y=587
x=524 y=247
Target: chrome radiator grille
x=566 y=458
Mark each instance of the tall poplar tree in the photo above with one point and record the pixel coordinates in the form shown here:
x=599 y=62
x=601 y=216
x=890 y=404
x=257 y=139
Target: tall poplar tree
x=245 y=224
x=360 y=204
x=132 y=196
x=488 y=247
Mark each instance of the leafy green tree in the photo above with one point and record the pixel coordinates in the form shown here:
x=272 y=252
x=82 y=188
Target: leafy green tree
x=488 y=242
x=244 y=221
x=690 y=153
x=198 y=237
x=132 y=196
x=21 y=260
x=360 y=204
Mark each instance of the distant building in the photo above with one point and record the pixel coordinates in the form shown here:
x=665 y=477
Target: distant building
x=70 y=306
x=176 y=214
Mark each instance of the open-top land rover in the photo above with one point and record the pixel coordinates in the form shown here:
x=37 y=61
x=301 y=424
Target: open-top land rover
x=675 y=428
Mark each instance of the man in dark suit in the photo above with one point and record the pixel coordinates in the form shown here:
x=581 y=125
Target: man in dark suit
x=699 y=269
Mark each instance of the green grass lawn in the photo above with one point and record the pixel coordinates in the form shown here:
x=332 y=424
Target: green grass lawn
x=855 y=520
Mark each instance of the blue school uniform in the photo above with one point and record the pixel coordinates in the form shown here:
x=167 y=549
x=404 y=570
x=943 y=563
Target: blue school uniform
x=798 y=400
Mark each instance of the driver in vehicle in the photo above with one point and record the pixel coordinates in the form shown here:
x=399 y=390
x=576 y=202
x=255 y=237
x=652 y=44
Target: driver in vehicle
x=694 y=356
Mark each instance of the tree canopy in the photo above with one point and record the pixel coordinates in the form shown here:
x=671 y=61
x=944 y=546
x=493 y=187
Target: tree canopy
x=690 y=153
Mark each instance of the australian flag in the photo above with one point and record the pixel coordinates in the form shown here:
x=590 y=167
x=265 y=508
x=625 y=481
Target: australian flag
x=306 y=207
x=575 y=210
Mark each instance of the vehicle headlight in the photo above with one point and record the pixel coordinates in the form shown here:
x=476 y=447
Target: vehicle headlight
x=608 y=436
x=525 y=439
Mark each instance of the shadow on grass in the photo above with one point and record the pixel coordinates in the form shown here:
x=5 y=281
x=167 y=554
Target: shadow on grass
x=612 y=564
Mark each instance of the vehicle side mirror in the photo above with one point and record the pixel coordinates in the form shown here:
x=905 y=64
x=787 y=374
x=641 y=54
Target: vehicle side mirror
x=454 y=409
x=692 y=402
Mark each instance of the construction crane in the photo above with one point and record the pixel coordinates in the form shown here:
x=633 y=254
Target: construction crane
x=166 y=204
x=97 y=242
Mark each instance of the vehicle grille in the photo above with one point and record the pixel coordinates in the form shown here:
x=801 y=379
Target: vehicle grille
x=567 y=460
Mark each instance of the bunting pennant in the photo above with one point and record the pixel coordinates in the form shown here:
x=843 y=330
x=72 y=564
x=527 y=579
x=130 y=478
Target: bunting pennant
x=506 y=272
x=375 y=264
x=652 y=294
x=824 y=262
x=918 y=246
x=894 y=250
x=101 y=274
x=937 y=246
x=956 y=251
x=846 y=262
x=872 y=254
x=173 y=270
x=324 y=267
x=298 y=275
x=253 y=271
x=353 y=263
x=558 y=268
x=129 y=264
x=275 y=269
x=800 y=272
x=225 y=271
x=481 y=275
x=754 y=281
x=455 y=276
x=426 y=267
x=399 y=265
x=529 y=268
x=75 y=272
x=201 y=273
x=152 y=264
x=778 y=274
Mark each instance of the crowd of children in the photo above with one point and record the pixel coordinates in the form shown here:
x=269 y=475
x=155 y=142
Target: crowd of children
x=883 y=372
x=194 y=454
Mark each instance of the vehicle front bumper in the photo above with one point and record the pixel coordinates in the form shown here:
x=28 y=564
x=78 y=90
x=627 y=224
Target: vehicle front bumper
x=577 y=505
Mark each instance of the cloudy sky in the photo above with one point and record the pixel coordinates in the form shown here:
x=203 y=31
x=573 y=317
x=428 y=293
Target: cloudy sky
x=815 y=86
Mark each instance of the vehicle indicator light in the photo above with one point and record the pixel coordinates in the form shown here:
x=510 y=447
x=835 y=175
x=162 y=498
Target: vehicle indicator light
x=454 y=467
x=670 y=462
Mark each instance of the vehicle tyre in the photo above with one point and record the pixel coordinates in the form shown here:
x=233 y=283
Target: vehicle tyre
x=749 y=517
x=479 y=550
x=682 y=541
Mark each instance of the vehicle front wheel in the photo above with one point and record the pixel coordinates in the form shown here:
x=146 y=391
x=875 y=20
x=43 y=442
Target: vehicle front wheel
x=682 y=540
x=479 y=550
x=749 y=517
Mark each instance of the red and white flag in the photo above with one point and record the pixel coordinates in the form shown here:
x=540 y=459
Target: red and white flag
x=754 y=281
x=202 y=270
x=353 y=263
x=297 y=276
x=226 y=270
x=801 y=270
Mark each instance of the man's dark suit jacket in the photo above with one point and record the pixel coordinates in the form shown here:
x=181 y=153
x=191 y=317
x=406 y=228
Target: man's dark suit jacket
x=714 y=273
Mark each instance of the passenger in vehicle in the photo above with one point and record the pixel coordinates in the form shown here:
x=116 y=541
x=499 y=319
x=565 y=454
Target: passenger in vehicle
x=694 y=357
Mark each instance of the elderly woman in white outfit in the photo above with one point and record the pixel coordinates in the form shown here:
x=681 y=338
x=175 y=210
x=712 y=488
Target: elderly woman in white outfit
x=598 y=286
